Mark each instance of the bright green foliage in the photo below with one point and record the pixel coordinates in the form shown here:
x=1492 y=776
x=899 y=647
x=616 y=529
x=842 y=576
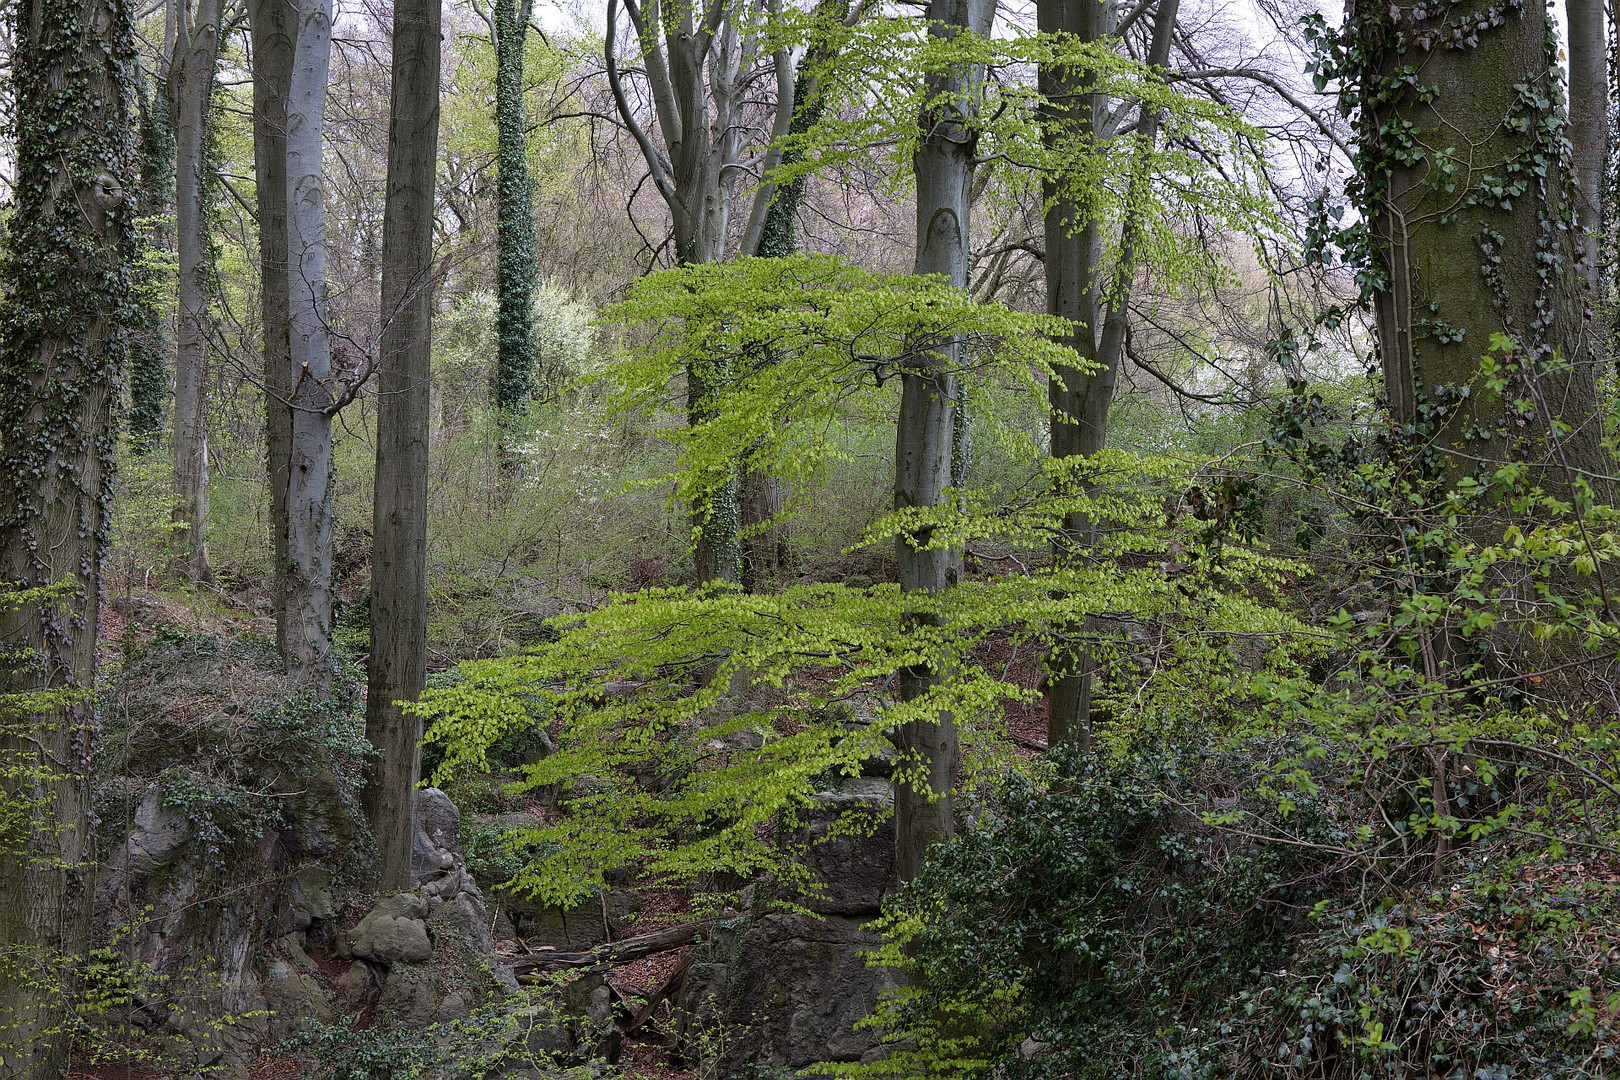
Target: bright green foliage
x=515 y=270
x=645 y=685
x=834 y=331
x=874 y=74
x=1390 y=860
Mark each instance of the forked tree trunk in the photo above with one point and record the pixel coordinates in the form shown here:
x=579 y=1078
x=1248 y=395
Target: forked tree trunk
x=692 y=57
x=397 y=664
x=309 y=473
x=943 y=163
x=271 y=24
x=65 y=273
x=191 y=79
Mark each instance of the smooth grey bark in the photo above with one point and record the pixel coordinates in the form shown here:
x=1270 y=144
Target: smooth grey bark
x=1081 y=399
x=313 y=401
x=271 y=28
x=1589 y=120
x=65 y=274
x=943 y=164
x=397 y=664
x=191 y=86
x=1074 y=292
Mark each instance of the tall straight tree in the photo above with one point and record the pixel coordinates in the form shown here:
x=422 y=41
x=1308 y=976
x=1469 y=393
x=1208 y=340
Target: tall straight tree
x=148 y=366
x=313 y=399
x=191 y=88
x=66 y=275
x=1096 y=302
x=943 y=163
x=1589 y=119
x=1072 y=117
x=270 y=23
x=397 y=664
x=516 y=266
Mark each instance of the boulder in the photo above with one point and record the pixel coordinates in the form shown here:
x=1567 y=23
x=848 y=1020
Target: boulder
x=394 y=932
x=408 y=996
x=293 y=996
x=780 y=993
x=156 y=833
x=308 y=898
x=464 y=912
x=436 y=846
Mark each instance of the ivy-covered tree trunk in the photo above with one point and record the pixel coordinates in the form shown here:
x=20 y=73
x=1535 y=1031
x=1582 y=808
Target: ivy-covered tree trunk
x=397 y=664
x=66 y=274
x=191 y=82
x=271 y=23
x=1465 y=182
x=943 y=163
x=309 y=472
x=514 y=225
x=148 y=367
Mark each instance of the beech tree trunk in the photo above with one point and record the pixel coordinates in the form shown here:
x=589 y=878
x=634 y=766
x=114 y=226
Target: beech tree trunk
x=65 y=273
x=943 y=164
x=191 y=86
x=1081 y=399
x=309 y=472
x=271 y=27
x=1589 y=121
x=148 y=365
x=397 y=664
x=1073 y=292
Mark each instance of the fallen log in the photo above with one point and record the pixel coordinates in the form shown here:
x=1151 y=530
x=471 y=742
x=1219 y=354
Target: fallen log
x=614 y=952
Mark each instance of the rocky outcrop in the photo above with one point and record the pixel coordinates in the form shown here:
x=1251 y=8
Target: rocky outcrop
x=780 y=993
x=431 y=948
x=846 y=837
x=777 y=991
x=229 y=818
x=394 y=931
x=439 y=870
